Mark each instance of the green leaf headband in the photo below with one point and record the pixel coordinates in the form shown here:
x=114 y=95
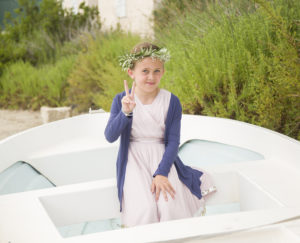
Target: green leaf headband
x=126 y=61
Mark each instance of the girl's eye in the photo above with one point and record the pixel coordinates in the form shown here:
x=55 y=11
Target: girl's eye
x=145 y=70
x=157 y=71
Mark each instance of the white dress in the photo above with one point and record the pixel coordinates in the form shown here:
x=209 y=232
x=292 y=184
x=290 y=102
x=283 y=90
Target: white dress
x=146 y=149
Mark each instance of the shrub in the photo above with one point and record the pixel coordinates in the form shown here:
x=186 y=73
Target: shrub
x=27 y=87
x=42 y=27
x=97 y=76
x=239 y=64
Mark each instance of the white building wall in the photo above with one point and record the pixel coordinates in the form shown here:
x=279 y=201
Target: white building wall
x=75 y=3
x=132 y=15
x=136 y=18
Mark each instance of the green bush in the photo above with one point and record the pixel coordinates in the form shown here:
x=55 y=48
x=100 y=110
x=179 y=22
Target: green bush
x=167 y=12
x=27 y=87
x=41 y=28
x=97 y=76
x=239 y=64
x=237 y=59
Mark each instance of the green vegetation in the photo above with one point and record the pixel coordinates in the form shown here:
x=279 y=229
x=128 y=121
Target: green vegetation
x=27 y=87
x=237 y=59
x=40 y=29
x=97 y=76
x=38 y=49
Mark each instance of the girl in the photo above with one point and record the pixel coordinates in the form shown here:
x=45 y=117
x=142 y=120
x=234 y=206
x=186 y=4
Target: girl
x=153 y=183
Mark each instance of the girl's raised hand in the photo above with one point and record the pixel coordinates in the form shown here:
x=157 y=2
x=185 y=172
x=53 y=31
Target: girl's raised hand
x=161 y=183
x=128 y=102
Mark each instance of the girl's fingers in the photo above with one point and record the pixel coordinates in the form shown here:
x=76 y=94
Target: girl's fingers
x=157 y=193
x=126 y=88
x=152 y=187
x=125 y=100
x=171 y=193
x=131 y=100
x=127 y=104
x=132 y=89
x=165 y=195
x=171 y=188
x=128 y=100
x=167 y=188
x=163 y=186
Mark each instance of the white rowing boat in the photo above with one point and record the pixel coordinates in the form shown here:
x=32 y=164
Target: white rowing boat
x=57 y=184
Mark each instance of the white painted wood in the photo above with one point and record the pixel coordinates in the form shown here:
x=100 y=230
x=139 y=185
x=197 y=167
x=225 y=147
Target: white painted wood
x=267 y=190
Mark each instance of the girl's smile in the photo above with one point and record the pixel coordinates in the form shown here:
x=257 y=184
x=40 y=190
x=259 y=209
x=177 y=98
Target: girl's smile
x=147 y=74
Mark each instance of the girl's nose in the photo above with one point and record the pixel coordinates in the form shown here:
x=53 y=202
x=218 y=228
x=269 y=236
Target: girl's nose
x=150 y=76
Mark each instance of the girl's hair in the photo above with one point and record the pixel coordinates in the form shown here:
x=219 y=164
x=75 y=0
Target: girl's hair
x=144 y=45
x=141 y=51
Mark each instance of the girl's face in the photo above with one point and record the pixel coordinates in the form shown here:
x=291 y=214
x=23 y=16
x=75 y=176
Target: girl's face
x=147 y=74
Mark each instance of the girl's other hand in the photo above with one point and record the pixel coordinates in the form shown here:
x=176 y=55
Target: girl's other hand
x=128 y=102
x=161 y=183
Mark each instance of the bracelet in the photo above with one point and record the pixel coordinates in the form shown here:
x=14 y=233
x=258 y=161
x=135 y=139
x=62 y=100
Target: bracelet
x=127 y=114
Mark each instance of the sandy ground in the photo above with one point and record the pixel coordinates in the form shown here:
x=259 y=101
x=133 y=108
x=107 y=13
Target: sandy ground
x=14 y=121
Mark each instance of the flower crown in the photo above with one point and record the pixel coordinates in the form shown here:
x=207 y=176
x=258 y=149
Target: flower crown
x=126 y=61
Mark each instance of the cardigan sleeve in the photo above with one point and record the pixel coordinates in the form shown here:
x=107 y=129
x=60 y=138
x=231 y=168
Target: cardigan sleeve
x=116 y=122
x=173 y=141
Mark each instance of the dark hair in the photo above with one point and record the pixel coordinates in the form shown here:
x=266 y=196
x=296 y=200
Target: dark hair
x=144 y=45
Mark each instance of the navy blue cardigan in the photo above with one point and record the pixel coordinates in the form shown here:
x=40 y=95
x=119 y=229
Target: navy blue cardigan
x=120 y=125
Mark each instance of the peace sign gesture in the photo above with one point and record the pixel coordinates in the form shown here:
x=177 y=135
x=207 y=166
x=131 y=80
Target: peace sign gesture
x=128 y=102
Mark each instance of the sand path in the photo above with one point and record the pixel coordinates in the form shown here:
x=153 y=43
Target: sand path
x=14 y=121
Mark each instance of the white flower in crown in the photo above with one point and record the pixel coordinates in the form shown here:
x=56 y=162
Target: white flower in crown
x=126 y=61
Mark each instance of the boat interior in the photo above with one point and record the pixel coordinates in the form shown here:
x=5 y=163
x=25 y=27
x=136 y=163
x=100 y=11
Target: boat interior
x=60 y=178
